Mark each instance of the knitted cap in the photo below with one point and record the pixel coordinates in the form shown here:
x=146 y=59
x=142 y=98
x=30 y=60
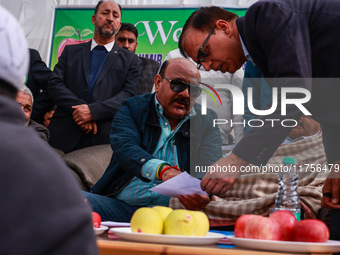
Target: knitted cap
x=14 y=55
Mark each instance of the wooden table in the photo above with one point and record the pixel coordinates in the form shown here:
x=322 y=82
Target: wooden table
x=109 y=247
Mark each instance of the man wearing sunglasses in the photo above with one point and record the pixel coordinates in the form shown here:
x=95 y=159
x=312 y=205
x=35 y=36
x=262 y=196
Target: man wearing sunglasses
x=154 y=138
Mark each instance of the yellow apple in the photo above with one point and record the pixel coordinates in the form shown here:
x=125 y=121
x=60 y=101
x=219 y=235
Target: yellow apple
x=146 y=220
x=180 y=222
x=203 y=225
x=163 y=211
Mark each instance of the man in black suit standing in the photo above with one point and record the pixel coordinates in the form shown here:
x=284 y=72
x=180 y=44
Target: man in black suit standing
x=127 y=39
x=38 y=74
x=284 y=39
x=37 y=81
x=89 y=83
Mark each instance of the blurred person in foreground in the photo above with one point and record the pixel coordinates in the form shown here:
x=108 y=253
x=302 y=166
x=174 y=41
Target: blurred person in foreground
x=153 y=136
x=43 y=210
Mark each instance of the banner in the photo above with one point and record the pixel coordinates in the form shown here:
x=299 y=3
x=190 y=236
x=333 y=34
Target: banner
x=159 y=29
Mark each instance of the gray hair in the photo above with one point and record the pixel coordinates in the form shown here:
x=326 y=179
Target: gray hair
x=27 y=91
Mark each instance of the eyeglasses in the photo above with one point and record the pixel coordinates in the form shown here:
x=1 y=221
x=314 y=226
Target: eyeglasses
x=177 y=85
x=202 y=55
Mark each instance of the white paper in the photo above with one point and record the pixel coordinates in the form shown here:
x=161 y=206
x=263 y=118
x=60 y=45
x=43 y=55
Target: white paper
x=113 y=224
x=182 y=184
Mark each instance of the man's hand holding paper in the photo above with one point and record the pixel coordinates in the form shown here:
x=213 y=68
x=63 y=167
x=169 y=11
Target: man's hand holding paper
x=187 y=189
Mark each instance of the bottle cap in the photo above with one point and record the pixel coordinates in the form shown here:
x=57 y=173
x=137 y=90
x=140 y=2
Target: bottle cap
x=289 y=161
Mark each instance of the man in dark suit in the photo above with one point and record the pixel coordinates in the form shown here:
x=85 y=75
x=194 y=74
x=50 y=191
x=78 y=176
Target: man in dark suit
x=284 y=39
x=37 y=81
x=127 y=39
x=38 y=74
x=89 y=83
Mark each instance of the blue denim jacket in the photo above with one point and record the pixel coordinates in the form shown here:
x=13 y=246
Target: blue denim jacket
x=135 y=132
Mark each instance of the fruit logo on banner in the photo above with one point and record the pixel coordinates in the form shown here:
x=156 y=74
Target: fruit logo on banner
x=159 y=29
x=68 y=32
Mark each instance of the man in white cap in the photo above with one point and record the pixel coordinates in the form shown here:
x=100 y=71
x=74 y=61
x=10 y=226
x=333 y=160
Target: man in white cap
x=42 y=210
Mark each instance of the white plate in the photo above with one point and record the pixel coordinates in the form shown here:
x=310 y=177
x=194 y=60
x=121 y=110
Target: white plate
x=100 y=230
x=283 y=246
x=125 y=233
x=113 y=224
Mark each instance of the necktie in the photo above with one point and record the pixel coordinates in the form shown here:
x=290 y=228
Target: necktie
x=99 y=55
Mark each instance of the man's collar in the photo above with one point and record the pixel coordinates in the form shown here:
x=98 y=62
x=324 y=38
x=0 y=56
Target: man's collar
x=152 y=118
x=246 y=52
x=108 y=46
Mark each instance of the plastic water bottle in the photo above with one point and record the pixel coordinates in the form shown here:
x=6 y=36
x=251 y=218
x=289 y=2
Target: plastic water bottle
x=287 y=196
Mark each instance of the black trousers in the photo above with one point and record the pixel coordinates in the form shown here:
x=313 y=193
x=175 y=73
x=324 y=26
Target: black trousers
x=331 y=140
x=335 y=229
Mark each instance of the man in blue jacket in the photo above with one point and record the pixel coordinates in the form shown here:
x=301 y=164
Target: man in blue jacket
x=153 y=136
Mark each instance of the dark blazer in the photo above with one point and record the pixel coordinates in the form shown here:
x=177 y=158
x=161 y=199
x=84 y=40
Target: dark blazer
x=37 y=80
x=38 y=73
x=135 y=135
x=68 y=86
x=292 y=38
x=42 y=104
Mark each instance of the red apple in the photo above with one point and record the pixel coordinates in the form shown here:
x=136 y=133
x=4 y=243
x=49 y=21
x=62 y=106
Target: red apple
x=287 y=221
x=310 y=231
x=96 y=220
x=241 y=223
x=263 y=228
x=68 y=41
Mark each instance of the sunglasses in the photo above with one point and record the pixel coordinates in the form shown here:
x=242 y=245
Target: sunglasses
x=202 y=55
x=177 y=85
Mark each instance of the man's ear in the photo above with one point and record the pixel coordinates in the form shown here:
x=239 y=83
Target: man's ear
x=224 y=26
x=93 y=19
x=157 y=80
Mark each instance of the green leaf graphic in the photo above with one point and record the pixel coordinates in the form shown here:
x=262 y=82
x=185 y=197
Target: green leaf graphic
x=66 y=31
x=86 y=32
